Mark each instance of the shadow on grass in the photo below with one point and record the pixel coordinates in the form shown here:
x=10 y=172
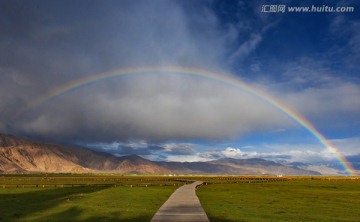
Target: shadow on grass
x=219 y=219
x=21 y=204
x=74 y=214
x=50 y=205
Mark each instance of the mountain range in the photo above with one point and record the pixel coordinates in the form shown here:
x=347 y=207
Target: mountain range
x=19 y=155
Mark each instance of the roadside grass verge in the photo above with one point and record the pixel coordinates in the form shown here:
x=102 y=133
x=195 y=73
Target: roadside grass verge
x=309 y=200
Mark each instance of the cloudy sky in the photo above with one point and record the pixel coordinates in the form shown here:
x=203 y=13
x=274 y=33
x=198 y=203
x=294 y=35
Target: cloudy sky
x=308 y=61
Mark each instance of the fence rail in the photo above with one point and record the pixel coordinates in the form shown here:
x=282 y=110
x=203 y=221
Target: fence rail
x=42 y=182
x=90 y=185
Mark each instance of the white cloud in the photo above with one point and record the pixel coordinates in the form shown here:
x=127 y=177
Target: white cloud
x=307 y=153
x=255 y=67
x=306 y=156
x=187 y=158
x=332 y=101
x=319 y=93
x=178 y=148
x=186 y=152
x=346 y=29
x=246 y=47
x=252 y=42
x=349 y=146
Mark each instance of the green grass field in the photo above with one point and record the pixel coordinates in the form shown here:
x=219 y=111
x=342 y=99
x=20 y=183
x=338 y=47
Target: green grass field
x=224 y=198
x=82 y=203
x=303 y=200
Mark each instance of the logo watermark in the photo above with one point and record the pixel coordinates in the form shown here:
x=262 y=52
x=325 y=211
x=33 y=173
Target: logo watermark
x=306 y=9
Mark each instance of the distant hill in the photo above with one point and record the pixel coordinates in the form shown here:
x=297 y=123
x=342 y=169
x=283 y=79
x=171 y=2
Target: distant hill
x=254 y=166
x=19 y=155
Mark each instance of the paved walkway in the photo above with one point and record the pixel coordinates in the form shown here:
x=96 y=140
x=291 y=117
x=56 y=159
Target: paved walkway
x=182 y=205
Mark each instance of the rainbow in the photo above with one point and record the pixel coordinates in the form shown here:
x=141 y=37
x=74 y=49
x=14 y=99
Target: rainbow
x=227 y=79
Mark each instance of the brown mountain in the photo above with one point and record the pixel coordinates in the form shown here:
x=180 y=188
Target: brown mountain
x=29 y=156
x=25 y=155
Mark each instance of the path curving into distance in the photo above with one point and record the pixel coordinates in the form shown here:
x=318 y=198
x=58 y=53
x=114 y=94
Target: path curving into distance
x=182 y=205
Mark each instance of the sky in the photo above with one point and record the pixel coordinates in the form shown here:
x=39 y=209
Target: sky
x=307 y=61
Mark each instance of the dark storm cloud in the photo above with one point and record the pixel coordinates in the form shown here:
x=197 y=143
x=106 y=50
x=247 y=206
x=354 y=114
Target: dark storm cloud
x=355 y=161
x=128 y=150
x=144 y=148
x=47 y=44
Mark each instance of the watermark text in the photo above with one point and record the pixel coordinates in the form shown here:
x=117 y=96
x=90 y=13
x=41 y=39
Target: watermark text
x=306 y=9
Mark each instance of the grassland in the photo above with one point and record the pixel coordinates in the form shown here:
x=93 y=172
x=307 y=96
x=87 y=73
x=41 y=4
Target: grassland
x=131 y=200
x=137 y=198
x=296 y=200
